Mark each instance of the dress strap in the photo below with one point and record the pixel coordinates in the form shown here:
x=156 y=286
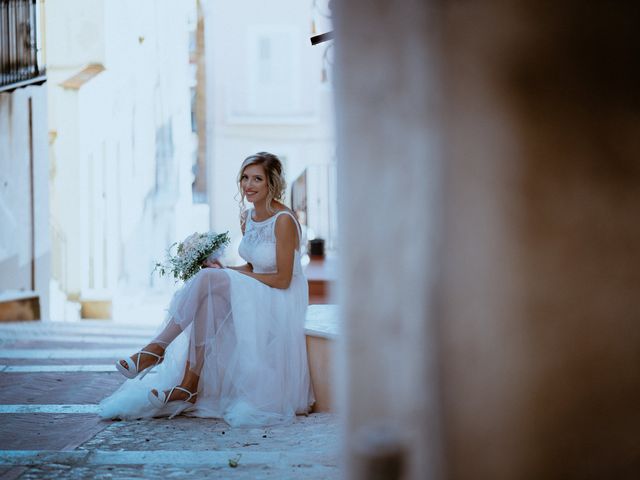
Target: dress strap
x=295 y=220
x=247 y=219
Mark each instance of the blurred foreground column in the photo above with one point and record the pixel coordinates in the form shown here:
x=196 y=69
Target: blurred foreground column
x=509 y=258
x=389 y=176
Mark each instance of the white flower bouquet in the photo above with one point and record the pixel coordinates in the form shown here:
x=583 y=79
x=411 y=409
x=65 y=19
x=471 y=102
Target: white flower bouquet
x=191 y=252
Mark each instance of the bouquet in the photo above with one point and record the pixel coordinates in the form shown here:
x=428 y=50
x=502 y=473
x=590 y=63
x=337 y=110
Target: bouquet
x=191 y=252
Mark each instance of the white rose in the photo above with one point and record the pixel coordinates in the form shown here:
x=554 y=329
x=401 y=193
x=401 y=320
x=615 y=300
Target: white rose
x=190 y=241
x=216 y=255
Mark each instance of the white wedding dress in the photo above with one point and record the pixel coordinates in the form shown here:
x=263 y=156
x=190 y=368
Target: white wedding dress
x=246 y=338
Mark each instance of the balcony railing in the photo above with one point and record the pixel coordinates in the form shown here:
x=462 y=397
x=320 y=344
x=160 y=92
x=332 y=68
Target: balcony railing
x=20 y=53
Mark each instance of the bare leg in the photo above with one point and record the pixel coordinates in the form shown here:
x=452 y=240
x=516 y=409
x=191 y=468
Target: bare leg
x=168 y=333
x=207 y=291
x=157 y=345
x=195 y=362
x=206 y=310
x=213 y=310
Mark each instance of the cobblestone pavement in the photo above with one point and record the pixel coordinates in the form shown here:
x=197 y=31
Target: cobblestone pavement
x=52 y=375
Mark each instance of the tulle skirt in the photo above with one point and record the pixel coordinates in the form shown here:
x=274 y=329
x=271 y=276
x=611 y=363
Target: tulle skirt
x=247 y=342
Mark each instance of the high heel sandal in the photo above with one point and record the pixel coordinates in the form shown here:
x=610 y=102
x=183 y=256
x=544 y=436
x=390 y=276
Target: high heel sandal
x=133 y=367
x=173 y=407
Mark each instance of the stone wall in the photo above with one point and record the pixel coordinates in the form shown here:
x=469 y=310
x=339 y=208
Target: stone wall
x=24 y=193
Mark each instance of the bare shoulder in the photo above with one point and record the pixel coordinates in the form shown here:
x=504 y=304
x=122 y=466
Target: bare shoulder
x=286 y=225
x=286 y=219
x=283 y=208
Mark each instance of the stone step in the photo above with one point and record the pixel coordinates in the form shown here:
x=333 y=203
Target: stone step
x=19 y=306
x=84 y=327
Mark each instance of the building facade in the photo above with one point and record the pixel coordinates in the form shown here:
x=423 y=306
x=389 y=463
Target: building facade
x=267 y=90
x=24 y=165
x=122 y=147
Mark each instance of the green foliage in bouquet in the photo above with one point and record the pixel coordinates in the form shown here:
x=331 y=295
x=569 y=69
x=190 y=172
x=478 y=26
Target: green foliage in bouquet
x=190 y=254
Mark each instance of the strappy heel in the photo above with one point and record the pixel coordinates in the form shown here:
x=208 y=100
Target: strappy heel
x=173 y=407
x=133 y=367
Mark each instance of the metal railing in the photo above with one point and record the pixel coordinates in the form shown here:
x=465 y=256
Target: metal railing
x=20 y=56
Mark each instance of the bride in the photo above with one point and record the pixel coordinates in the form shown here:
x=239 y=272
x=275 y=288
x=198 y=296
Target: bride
x=232 y=345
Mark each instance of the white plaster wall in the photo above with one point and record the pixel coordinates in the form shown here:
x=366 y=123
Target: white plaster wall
x=105 y=145
x=299 y=127
x=75 y=32
x=15 y=187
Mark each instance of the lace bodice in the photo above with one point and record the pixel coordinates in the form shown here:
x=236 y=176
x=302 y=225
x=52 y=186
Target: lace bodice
x=258 y=245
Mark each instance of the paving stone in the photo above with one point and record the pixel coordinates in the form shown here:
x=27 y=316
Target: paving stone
x=318 y=432
x=57 y=388
x=174 y=464
x=39 y=328
x=11 y=473
x=57 y=361
x=58 y=368
x=281 y=472
x=38 y=431
x=49 y=345
x=45 y=354
x=55 y=338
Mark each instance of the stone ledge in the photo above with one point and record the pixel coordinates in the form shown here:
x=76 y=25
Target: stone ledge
x=321 y=330
x=322 y=321
x=19 y=305
x=96 y=309
x=13 y=295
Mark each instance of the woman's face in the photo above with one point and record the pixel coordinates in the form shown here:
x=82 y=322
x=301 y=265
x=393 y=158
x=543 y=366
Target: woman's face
x=254 y=183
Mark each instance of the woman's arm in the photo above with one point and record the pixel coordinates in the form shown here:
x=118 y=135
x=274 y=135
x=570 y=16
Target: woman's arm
x=247 y=267
x=286 y=241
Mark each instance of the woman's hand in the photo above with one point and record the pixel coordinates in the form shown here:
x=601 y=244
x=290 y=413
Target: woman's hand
x=212 y=264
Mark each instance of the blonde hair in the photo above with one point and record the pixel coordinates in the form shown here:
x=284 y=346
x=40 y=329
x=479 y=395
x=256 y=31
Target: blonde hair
x=275 y=179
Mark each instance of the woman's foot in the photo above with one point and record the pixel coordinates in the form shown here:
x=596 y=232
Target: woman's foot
x=173 y=402
x=182 y=392
x=141 y=361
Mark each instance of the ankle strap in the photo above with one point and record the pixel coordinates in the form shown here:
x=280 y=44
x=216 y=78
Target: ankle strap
x=177 y=387
x=149 y=353
x=158 y=357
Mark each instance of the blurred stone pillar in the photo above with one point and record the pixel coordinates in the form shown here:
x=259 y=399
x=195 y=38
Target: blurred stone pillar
x=389 y=176
x=531 y=312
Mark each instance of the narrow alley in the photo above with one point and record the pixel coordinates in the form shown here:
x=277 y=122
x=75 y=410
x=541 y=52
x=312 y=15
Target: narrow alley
x=52 y=376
